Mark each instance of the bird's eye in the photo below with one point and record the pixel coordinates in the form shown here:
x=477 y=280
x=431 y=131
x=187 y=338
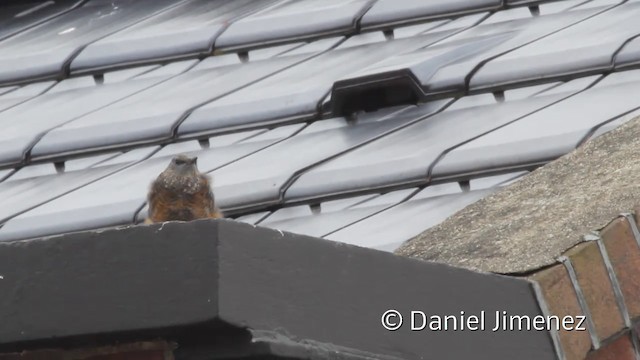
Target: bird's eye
x=179 y=162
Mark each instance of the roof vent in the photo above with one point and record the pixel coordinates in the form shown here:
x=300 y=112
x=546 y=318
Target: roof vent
x=373 y=92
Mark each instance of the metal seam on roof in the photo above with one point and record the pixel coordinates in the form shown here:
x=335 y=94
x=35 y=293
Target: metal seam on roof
x=405 y=199
x=540 y=38
x=44 y=20
x=66 y=65
x=44 y=133
x=188 y=112
x=444 y=153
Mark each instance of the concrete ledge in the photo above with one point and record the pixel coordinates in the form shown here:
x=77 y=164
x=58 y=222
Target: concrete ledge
x=284 y=294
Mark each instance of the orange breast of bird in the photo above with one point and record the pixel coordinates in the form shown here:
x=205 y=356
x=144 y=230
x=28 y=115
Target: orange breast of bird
x=167 y=204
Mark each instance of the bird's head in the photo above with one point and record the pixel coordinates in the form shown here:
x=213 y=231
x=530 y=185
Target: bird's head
x=183 y=164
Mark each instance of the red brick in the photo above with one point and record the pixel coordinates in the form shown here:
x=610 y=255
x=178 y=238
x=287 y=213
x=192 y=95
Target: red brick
x=561 y=300
x=624 y=255
x=34 y=355
x=158 y=350
x=134 y=355
x=594 y=281
x=619 y=349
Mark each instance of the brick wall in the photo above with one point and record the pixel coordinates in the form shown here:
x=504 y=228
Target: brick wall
x=598 y=280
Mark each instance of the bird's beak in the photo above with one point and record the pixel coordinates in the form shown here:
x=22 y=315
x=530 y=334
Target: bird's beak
x=194 y=161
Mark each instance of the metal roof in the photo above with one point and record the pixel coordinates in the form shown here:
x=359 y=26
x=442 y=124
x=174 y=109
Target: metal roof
x=364 y=122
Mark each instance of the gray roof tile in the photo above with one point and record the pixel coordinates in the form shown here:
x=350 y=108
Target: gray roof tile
x=561 y=127
x=296 y=93
x=388 y=229
x=44 y=51
x=23 y=93
x=629 y=55
x=381 y=231
x=262 y=178
x=390 y=13
x=79 y=153
x=24 y=125
x=449 y=65
x=154 y=114
x=293 y=21
x=24 y=194
x=115 y=199
x=407 y=156
x=583 y=48
x=187 y=29
x=19 y=17
x=332 y=215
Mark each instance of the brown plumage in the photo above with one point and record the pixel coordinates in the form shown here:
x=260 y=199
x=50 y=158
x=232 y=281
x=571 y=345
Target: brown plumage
x=181 y=193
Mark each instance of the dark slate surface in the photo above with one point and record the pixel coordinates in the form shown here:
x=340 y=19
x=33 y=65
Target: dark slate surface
x=219 y=268
x=188 y=29
x=293 y=21
x=21 y=16
x=149 y=80
x=388 y=13
x=44 y=51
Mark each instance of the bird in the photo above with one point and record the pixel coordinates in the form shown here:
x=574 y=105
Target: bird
x=181 y=193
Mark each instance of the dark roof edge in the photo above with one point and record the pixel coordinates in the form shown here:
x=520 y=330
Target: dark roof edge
x=220 y=276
